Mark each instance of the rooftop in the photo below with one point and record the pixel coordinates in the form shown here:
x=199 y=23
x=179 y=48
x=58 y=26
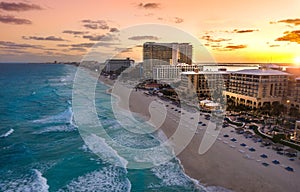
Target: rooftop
x=205 y=72
x=260 y=72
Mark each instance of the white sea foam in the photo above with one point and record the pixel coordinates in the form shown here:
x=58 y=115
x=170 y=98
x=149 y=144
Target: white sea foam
x=34 y=182
x=7 y=133
x=59 y=128
x=105 y=180
x=171 y=174
x=216 y=189
x=161 y=136
x=64 y=117
x=99 y=146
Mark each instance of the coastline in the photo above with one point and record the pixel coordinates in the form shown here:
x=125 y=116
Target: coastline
x=226 y=166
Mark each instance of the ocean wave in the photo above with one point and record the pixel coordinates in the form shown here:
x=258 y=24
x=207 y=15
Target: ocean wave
x=171 y=174
x=105 y=180
x=63 y=117
x=99 y=146
x=216 y=189
x=155 y=156
x=7 y=133
x=34 y=182
x=59 y=128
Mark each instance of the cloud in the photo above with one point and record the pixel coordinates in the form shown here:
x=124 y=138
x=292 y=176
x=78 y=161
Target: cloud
x=78 y=49
x=291 y=21
x=274 y=45
x=49 y=38
x=84 y=45
x=178 y=20
x=75 y=32
x=233 y=47
x=291 y=36
x=244 y=31
x=88 y=45
x=209 y=39
x=149 y=5
x=13 y=20
x=143 y=37
x=107 y=37
x=62 y=45
x=99 y=24
x=12 y=45
x=114 y=29
x=19 y=6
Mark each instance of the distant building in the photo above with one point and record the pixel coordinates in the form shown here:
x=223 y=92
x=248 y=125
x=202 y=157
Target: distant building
x=116 y=66
x=172 y=72
x=133 y=73
x=256 y=87
x=165 y=54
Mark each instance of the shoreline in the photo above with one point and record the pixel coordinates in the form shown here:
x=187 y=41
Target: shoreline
x=226 y=166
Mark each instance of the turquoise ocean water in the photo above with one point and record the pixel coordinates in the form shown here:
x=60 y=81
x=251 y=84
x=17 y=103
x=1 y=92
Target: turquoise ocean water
x=41 y=148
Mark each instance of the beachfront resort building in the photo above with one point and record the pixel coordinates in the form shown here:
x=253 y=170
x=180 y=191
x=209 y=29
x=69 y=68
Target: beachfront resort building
x=256 y=87
x=293 y=93
x=117 y=66
x=205 y=84
x=155 y=54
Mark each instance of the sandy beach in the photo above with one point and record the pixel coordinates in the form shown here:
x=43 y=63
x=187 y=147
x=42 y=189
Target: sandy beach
x=226 y=163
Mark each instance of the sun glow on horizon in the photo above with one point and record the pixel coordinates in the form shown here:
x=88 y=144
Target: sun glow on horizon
x=297 y=60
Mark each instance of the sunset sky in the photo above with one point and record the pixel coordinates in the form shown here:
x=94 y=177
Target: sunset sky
x=231 y=30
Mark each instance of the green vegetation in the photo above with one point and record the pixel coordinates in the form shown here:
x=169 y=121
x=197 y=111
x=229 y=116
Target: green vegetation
x=277 y=139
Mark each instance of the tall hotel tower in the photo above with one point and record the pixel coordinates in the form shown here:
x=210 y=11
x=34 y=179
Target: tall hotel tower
x=155 y=54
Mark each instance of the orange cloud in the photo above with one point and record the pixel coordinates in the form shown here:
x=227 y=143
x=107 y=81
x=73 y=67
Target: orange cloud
x=291 y=21
x=208 y=38
x=234 y=47
x=244 y=31
x=291 y=36
x=149 y=5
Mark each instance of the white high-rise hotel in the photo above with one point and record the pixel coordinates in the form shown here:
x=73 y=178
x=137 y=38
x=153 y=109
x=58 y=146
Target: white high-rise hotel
x=158 y=55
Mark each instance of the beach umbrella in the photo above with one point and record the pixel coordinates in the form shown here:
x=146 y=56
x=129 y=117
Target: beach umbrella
x=265 y=164
x=289 y=169
x=252 y=149
x=233 y=139
x=290 y=152
x=243 y=144
x=276 y=162
x=264 y=156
